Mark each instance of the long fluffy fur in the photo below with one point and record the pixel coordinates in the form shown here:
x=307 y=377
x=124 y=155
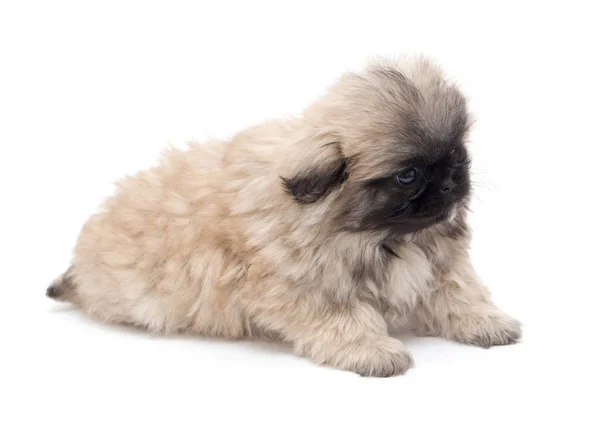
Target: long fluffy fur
x=261 y=235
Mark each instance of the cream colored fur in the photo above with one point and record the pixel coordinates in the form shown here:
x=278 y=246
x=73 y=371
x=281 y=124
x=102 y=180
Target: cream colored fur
x=210 y=243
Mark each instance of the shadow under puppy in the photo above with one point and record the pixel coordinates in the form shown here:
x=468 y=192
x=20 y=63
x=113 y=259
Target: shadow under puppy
x=320 y=230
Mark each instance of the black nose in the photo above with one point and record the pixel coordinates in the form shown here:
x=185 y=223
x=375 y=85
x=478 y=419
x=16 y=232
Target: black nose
x=446 y=186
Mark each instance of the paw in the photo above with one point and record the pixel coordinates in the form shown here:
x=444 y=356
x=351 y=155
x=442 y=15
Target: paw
x=383 y=358
x=490 y=331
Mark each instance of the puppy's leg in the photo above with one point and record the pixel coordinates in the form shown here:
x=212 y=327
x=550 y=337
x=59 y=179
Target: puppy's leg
x=461 y=309
x=351 y=338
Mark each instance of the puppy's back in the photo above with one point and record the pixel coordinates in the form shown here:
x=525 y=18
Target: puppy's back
x=152 y=255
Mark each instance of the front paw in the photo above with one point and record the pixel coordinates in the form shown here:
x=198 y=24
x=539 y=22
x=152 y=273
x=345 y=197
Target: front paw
x=493 y=330
x=383 y=358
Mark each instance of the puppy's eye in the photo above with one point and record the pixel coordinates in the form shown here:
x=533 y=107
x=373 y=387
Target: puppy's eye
x=408 y=176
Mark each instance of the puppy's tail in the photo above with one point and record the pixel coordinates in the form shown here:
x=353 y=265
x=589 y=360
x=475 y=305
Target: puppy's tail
x=63 y=288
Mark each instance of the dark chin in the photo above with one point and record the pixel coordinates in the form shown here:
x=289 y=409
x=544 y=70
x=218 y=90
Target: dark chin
x=437 y=212
x=407 y=225
x=421 y=224
x=416 y=224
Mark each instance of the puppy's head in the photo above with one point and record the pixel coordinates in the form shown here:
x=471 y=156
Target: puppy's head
x=389 y=145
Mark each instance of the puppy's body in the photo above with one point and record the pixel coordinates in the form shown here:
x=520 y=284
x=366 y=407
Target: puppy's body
x=295 y=230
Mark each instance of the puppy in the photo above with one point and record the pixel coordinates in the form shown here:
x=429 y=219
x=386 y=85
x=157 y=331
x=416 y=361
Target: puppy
x=319 y=231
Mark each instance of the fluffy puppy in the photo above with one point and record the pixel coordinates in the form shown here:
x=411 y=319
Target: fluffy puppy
x=319 y=230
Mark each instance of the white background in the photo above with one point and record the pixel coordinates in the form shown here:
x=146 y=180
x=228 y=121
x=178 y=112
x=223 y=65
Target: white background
x=90 y=91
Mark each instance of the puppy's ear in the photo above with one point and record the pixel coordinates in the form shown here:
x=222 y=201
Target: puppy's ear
x=318 y=167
